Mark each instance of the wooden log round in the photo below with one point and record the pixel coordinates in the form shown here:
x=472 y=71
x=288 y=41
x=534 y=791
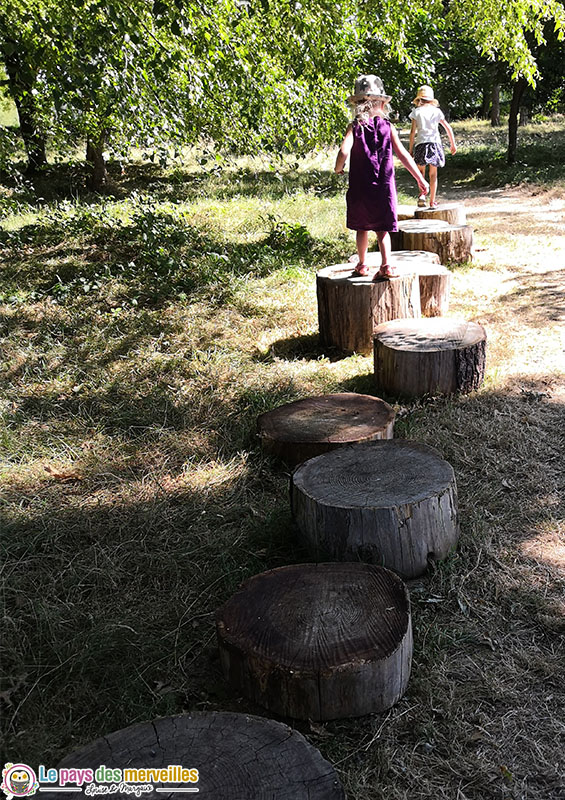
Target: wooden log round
x=400 y=258
x=454 y=213
x=392 y=503
x=301 y=430
x=319 y=641
x=404 y=212
x=452 y=243
x=350 y=307
x=429 y=356
x=238 y=757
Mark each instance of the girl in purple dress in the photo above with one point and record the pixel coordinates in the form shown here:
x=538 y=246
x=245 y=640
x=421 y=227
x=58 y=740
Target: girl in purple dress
x=371 y=198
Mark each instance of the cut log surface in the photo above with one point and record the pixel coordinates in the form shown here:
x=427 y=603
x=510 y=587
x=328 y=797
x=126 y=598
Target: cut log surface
x=452 y=243
x=350 y=307
x=405 y=212
x=454 y=213
x=304 y=429
x=429 y=356
x=392 y=503
x=318 y=641
x=400 y=258
x=238 y=757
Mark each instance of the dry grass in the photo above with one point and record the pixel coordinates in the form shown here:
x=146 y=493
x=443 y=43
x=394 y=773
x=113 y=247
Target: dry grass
x=135 y=496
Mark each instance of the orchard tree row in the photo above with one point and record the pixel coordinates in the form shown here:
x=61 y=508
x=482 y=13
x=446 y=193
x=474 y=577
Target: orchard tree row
x=272 y=75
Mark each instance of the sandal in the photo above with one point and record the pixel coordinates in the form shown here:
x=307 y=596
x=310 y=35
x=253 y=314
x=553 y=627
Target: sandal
x=433 y=205
x=388 y=271
x=422 y=201
x=362 y=270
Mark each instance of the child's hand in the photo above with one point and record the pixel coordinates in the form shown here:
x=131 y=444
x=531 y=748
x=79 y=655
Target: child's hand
x=339 y=171
x=424 y=186
x=453 y=149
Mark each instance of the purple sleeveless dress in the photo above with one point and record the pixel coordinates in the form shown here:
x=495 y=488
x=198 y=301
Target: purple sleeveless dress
x=371 y=197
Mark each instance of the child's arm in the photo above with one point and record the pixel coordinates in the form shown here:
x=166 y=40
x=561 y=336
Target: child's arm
x=412 y=137
x=344 y=150
x=407 y=160
x=449 y=131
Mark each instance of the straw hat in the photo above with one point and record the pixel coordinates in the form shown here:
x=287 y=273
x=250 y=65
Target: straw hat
x=426 y=93
x=369 y=86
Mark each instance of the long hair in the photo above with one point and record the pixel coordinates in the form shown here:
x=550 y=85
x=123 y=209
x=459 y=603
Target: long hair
x=362 y=109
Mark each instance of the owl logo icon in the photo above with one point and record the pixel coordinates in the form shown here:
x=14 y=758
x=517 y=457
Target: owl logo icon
x=18 y=780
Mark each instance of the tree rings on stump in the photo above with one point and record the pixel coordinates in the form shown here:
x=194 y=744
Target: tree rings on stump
x=304 y=429
x=238 y=757
x=452 y=243
x=454 y=213
x=350 y=306
x=429 y=356
x=408 y=259
x=318 y=641
x=393 y=503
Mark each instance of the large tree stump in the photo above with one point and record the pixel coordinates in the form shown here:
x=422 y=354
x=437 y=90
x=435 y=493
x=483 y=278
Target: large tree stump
x=238 y=757
x=429 y=356
x=319 y=641
x=433 y=278
x=454 y=213
x=301 y=430
x=350 y=307
x=392 y=503
x=452 y=243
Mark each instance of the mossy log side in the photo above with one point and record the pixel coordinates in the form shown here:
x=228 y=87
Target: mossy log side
x=238 y=757
x=305 y=428
x=350 y=307
x=452 y=243
x=429 y=356
x=454 y=213
x=318 y=641
x=391 y=502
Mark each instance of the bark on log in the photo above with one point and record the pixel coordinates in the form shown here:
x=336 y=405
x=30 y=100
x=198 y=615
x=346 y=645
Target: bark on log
x=392 y=503
x=350 y=307
x=238 y=757
x=452 y=243
x=301 y=430
x=454 y=213
x=434 y=279
x=429 y=356
x=319 y=641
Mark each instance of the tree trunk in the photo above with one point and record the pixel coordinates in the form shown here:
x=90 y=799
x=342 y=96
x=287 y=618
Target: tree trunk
x=97 y=173
x=306 y=428
x=518 y=90
x=485 y=102
x=318 y=641
x=495 y=106
x=389 y=502
x=236 y=755
x=20 y=82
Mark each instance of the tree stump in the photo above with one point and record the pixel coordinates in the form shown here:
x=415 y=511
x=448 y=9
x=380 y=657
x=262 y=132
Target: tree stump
x=392 y=503
x=452 y=243
x=429 y=356
x=301 y=430
x=350 y=307
x=434 y=279
x=404 y=212
x=319 y=641
x=238 y=757
x=454 y=213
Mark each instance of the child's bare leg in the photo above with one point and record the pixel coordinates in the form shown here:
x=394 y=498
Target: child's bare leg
x=422 y=196
x=362 y=240
x=433 y=184
x=383 y=238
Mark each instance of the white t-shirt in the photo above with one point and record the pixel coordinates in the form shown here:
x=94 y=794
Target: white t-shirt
x=427 y=119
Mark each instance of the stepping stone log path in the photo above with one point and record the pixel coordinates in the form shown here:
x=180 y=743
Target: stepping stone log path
x=238 y=757
x=390 y=502
x=306 y=428
x=429 y=356
x=318 y=642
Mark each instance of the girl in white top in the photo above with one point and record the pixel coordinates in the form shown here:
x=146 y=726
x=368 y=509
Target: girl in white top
x=428 y=150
